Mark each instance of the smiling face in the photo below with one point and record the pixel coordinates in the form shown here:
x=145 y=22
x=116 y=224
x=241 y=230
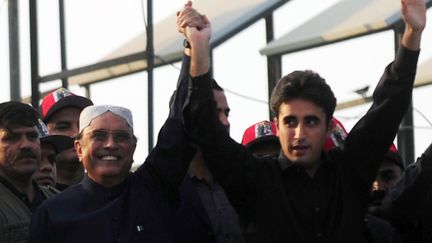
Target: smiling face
x=19 y=152
x=106 y=149
x=302 y=129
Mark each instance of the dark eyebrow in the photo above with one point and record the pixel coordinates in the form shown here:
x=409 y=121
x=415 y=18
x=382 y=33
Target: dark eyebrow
x=310 y=117
x=286 y=118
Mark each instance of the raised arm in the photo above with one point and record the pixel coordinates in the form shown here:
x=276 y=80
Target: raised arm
x=371 y=137
x=170 y=158
x=230 y=163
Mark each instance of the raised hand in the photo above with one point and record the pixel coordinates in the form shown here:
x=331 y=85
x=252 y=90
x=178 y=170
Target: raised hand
x=414 y=15
x=189 y=17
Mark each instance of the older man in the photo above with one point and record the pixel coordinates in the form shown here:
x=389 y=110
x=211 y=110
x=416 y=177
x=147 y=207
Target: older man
x=19 y=156
x=111 y=204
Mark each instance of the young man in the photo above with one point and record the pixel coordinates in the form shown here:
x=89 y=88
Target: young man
x=305 y=195
x=19 y=158
x=60 y=111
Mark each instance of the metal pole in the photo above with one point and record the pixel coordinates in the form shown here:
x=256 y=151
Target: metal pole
x=63 y=41
x=87 y=91
x=274 y=66
x=405 y=136
x=150 y=65
x=34 y=54
x=14 y=53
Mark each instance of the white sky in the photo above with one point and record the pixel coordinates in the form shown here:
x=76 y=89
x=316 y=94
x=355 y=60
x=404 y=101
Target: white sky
x=96 y=27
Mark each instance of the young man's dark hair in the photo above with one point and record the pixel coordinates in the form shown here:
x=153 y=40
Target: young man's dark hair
x=306 y=85
x=13 y=113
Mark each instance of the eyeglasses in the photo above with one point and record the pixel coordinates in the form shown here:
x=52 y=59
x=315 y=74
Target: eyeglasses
x=103 y=135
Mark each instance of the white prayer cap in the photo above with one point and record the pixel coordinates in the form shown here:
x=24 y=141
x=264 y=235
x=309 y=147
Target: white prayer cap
x=91 y=112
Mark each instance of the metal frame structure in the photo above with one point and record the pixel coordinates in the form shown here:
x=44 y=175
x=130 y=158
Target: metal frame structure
x=242 y=14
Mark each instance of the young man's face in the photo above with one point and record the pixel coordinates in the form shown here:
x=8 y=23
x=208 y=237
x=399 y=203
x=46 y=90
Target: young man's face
x=19 y=151
x=65 y=122
x=302 y=129
x=106 y=149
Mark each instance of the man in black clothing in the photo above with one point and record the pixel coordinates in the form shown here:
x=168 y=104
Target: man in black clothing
x=408 y=204
x=305 y=195
x=111 y=204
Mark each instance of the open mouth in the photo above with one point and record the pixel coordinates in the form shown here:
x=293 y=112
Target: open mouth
x=299 y=149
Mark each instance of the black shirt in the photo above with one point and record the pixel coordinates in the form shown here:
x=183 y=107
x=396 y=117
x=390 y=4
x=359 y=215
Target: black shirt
x=313 y=199
x=223 y=218
x=286 y=205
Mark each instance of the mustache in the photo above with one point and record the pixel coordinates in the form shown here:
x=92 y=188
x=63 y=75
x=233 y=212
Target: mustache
x=107 y=153
x=26 y=153
x=299 y=143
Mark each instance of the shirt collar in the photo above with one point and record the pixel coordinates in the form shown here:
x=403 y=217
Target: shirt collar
x=38 y=196
x=285 y=163
x=101 y=191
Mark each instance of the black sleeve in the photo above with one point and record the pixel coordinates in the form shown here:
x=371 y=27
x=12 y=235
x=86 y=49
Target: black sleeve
x=232 y=165
x=373 y=134
x=168 y=162
x=406 y=202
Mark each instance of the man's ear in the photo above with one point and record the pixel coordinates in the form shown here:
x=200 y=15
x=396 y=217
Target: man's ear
x=78 y=149
x=275 y=120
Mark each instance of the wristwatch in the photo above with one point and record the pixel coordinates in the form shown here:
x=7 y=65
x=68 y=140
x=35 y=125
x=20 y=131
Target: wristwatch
x=186 y=44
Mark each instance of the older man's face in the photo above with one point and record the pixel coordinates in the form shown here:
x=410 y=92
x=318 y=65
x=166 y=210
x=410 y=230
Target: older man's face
x=19 y=152
x=106 y=149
